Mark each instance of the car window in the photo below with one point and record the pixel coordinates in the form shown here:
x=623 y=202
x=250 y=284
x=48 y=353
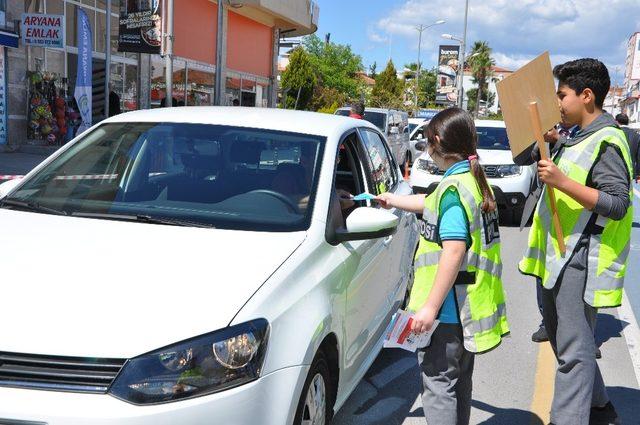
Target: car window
x=492 y=138
x=343 y=112
x=419 y=133
x=225 y=177
x=383 y=175
x=376 y=118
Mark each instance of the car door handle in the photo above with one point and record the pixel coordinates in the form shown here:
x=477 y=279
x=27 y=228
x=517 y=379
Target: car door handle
x=388 y=240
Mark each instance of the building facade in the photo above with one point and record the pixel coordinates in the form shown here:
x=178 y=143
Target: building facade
x=40 y=79
x=631 y=102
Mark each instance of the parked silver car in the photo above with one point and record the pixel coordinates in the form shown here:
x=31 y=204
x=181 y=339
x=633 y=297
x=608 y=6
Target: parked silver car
x=394 y=124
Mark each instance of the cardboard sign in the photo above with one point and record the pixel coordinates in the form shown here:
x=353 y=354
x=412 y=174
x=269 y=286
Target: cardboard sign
x=531 y=83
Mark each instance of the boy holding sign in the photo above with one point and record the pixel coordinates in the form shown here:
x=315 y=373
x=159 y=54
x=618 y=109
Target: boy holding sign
x=592 y=176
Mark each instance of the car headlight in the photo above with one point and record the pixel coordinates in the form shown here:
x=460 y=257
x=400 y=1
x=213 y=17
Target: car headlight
x=428 y=166
x=508 y=170
x=202 y=365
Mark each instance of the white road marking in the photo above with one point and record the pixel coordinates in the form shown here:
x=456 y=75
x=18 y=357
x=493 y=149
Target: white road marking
x=631 y=333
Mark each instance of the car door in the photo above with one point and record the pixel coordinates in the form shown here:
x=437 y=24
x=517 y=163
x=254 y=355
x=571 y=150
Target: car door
x=365 y=269
x=402 y=244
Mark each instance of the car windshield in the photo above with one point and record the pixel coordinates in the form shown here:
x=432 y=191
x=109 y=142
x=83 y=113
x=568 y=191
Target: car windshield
x=492 y=138
x=188 y=174
x=412 y=127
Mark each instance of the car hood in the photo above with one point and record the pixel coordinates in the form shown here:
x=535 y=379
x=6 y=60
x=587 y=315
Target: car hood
x=488 y=156
x=100 y=288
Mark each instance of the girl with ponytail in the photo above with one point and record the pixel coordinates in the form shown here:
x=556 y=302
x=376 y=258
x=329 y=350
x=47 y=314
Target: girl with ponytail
x=459 y=226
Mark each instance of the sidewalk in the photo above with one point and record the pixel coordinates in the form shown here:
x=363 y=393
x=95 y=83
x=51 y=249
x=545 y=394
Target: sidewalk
x=18 y=163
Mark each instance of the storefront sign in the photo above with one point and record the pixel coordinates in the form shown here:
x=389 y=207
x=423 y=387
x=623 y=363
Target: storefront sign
x=43 y=30
x=83 y=89
x=140 y=27
x=448 y=58
x=3 y=99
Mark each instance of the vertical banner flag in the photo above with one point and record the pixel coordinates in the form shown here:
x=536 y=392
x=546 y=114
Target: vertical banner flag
x=3 y=98
x=82 y=93
x=446 y=91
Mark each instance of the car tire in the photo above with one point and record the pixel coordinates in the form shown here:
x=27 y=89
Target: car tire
x=317 y=392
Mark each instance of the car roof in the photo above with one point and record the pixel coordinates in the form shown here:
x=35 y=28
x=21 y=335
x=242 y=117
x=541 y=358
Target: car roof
x=314 y=123
x=489 y=123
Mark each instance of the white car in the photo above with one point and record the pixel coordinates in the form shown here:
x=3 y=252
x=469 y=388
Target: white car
x=192 y=265
x=416 y=134
x=510 y=182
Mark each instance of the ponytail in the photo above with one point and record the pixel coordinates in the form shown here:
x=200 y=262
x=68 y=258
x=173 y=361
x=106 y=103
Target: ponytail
x=452 y=135
x=488 y=200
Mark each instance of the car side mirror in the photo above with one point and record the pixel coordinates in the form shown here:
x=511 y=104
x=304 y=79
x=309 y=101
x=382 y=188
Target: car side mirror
x=421 y=145
x=8 y=186
x=394 y=130
x=368 y=223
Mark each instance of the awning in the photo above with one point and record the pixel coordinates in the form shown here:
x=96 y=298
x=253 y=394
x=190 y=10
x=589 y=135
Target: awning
x=9 y=39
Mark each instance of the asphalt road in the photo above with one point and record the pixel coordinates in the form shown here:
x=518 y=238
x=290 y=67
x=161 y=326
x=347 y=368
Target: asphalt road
x=514 y=383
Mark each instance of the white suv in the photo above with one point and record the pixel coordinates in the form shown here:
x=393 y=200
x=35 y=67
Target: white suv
x=510 y=182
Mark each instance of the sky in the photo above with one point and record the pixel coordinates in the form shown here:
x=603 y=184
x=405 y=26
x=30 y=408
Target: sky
x=516 y=30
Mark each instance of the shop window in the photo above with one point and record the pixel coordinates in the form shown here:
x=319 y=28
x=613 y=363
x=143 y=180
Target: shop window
x=116 y=80
x=232 y=93
x=200 y=86
x=157 y=81
x=179 y=81
x=115 y=30
x=262 y=94
x=129 y=97
x=34 y=6
x=36 y=59
x=55 y=7
x=248 y=92
x=55 y=61
x=100 y=32
x=89 y=2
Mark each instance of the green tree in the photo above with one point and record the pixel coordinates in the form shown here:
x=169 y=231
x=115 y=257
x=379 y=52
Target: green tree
x=472 y=95
x=481 y=64
x=372 y=70
x=298 y=80
x=335 y=66
x=427 y=83
x=387 y=92
x=326 y=99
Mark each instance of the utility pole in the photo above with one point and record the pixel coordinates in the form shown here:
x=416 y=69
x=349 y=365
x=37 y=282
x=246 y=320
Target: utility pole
x=420 y=29
x=168 y=55
x=217 y=96
x=107 y=61
x=462 y=51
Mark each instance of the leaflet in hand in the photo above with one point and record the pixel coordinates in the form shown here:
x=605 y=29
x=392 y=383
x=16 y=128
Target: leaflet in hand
x=363 y=197
x=400 y=335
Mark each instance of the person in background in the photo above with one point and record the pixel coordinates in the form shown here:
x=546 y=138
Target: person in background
x=114 y=103
x=633 y=138
x=357 y=111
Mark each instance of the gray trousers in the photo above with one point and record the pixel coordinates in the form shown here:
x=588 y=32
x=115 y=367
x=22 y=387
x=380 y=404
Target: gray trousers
x=446 y=369
x=570 y=323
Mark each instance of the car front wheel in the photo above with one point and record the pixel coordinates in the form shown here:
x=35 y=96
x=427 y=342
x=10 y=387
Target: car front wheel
x=316 y=402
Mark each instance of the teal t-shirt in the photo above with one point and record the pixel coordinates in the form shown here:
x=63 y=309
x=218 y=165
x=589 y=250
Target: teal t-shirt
x=453 y=226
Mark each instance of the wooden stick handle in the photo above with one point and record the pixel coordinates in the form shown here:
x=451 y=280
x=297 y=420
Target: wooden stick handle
x=537 y=129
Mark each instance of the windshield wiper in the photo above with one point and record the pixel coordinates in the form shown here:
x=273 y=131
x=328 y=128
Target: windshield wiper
x=141 y=218
x=31 y=206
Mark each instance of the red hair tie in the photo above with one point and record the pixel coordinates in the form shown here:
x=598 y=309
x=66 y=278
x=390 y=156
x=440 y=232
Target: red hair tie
x=472 y=157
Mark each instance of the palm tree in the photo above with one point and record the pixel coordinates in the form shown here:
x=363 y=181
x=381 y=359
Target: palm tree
x=481 y=64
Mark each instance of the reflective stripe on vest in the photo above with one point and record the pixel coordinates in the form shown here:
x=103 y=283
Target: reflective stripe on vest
x=481 y=305
x=606 y=258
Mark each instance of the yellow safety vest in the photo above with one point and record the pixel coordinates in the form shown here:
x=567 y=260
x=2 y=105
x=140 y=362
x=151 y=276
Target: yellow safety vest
x=478 y=289
x=609 y=239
